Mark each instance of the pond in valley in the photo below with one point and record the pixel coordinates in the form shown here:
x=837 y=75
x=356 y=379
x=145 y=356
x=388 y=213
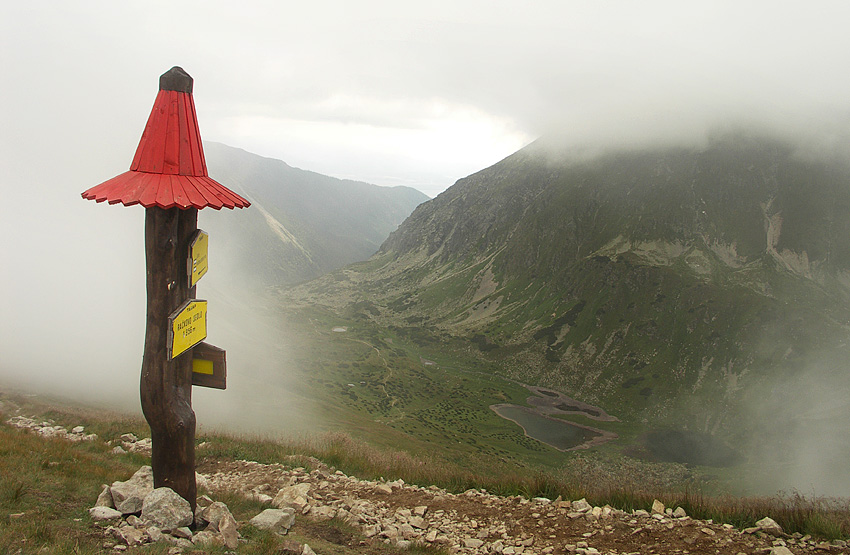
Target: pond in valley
x=560 y=434
x=690 y=448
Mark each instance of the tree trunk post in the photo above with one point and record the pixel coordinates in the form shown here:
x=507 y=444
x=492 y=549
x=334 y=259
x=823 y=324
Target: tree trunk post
x=166 y=385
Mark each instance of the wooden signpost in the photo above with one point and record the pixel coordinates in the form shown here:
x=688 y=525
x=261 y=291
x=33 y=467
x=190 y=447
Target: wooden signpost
x=187 y=326
x=169 y=178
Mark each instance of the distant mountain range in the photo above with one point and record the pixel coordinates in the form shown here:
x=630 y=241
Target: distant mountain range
x=301 y=224
x=698 y=288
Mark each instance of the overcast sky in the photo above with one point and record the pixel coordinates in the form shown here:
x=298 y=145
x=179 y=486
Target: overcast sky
x=389 y=92
x=404 y=93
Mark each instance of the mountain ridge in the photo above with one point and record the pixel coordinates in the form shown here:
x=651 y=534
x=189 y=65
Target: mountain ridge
x=671 y=287
x=302 y=223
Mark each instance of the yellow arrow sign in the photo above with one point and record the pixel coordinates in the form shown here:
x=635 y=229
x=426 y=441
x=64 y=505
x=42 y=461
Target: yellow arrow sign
x=198 y=257
x=187 y=326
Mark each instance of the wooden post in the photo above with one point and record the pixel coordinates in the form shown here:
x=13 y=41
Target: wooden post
x=166 y=385
x=169 y=178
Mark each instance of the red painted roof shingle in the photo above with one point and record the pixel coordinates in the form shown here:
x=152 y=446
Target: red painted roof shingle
x=169 y=169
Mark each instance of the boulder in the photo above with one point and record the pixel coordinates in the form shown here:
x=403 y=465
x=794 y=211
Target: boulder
x=104 y=513
x=130 y=536
x=215 y=514
x=292 y=496
x=657 y=507
x=182 y=532
x=105 y=498
x=581 y=506
x=770 y=526
x=128 y=496
x=207 y=537
x=278 y=521
x=228 y=530
x=166 y=509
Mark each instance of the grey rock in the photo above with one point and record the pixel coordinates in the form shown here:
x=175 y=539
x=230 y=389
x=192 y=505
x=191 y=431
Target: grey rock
x=770 y=526
x=101 y=513
x=182 y=532
x=408 y=532
x=155 y=534
x=781 y=550
x=105 y=498
x=680 y=513
x=166 y=509
x=180 y=543
x=657 y=507
x=131 y=536
x=307 y=550
x=581 y=506
x=324 y=512
x=128 y=496
x=214 y=513
x=383 y=488
x=207 y=537
x=278 y=521
x=228 y=530
x=292 y=496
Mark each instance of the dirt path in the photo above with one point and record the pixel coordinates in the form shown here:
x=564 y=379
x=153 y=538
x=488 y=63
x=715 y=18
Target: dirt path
x=478 y=523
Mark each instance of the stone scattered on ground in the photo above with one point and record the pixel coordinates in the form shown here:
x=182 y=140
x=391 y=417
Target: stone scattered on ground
x=478 y=523
x=49 y=429
x=472 y=523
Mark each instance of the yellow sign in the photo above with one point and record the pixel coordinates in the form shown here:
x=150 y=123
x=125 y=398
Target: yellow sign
x=187 y=326
x=198 y=257
x=209 y=366
x=201 y=366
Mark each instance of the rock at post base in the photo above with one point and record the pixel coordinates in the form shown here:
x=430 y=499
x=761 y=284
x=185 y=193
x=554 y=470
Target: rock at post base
x=128 y=496
x=166 y=509
x=104 y=513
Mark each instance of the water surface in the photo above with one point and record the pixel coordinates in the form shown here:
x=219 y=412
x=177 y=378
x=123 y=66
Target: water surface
x=560 y=434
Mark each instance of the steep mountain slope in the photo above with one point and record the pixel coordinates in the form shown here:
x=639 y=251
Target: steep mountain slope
x=705 y=289
x=301 y=224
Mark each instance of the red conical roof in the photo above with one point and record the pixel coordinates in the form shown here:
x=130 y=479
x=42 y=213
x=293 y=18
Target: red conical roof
x=169 y=169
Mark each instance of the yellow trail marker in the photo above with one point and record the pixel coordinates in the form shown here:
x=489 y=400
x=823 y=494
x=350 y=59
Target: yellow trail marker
x=187 y=326
x=198 y=257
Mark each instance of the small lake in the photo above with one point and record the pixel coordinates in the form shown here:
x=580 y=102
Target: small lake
x=560 y=434
x=690 y=448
